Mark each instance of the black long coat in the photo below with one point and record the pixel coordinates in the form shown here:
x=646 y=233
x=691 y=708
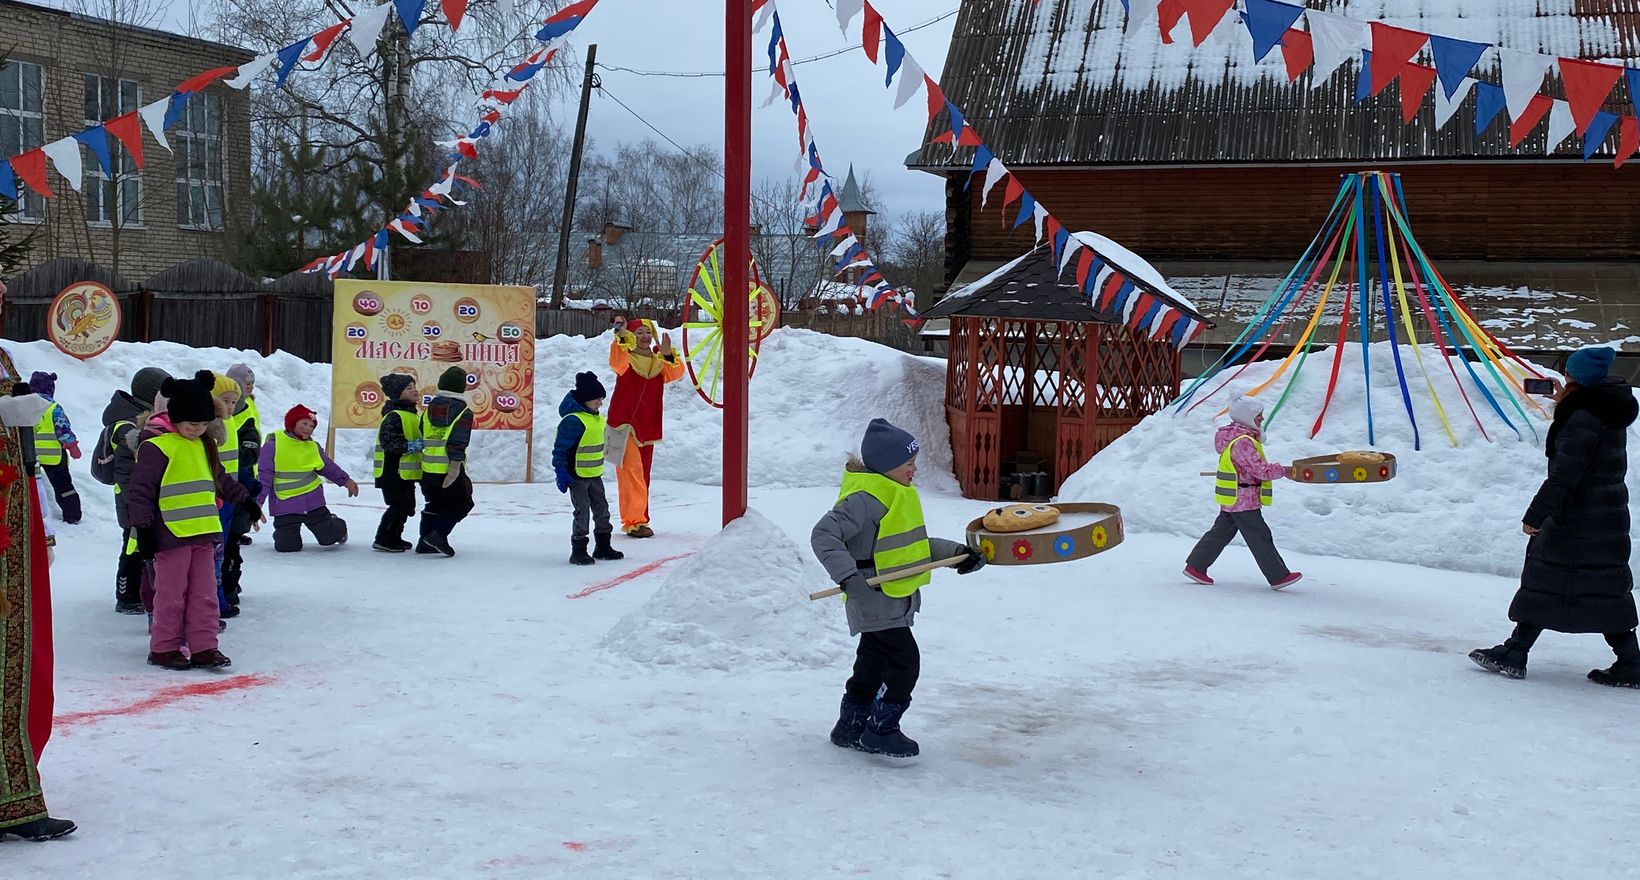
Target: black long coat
x=1577 y=577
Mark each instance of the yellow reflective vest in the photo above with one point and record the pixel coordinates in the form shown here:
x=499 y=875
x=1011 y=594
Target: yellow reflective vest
x=1226 y=486
x=296 y=465
x=435 y=440
x=409 y=462
x=902 y=536
x=187 y=491
x=48 y=450
x=589 y=454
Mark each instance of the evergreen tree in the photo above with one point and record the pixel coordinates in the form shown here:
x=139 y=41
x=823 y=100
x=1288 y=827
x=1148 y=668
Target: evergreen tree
x=14 y=248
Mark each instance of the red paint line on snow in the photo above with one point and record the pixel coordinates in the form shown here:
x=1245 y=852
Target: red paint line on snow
x=168 y=696
x=575 y=846
x=634 y=574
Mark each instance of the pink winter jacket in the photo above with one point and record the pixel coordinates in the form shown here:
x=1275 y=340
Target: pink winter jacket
x=1250 y=466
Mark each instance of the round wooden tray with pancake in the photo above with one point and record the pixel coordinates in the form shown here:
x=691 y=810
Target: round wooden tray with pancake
x=1084 y=529
x=1344 y=467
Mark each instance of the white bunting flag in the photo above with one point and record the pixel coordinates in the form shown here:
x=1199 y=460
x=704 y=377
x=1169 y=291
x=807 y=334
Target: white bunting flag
x=1140 y=13
x=367 y=26
x=153 y=115
x=911 y=81
x=1446 y=108
x=65 y=154
x=1522 y=78
x=250 y=69
x=1336 y=39
x=1039 y=214
x=846 y=10
x=1072 y=245
x=1561 y=125
x=762 y=20
x=993 y=173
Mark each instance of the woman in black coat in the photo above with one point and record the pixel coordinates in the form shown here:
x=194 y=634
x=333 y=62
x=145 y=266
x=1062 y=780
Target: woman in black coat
x=1577 y=577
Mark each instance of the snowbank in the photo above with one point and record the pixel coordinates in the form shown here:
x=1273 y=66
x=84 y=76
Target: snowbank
x=1448 y=507
x=740 y=602
x=811 y=399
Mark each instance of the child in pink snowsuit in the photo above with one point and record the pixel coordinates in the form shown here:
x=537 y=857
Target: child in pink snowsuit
x=1244 y=514
x=163 y=503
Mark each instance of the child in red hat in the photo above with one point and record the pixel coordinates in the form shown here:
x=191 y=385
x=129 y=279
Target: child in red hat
x=293 y=469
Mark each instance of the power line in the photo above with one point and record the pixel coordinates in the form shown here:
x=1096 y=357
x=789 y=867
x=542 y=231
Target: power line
x=701 y=74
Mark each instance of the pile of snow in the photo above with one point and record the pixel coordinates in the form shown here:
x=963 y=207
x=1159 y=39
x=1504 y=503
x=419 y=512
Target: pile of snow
x=1448 y=507
x=740 y=602
x=811 y=399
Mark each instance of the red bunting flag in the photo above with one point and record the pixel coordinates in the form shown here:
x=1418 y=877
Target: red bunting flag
x=321 y=41
x=200 y=82
x=128 y=129
x=1528 y=120
x=936 y=96
x=871 y=32
x=31 y=168
x=1628 y=140
x=1011 y=192
x=1205 y=15
x=467 y=148
x=1416 y=81
x=1392 y=49
x=1084 y=262
x=1298 y=51
x=454 y=11
x=969 y=138
x=1587 y=86
x=1168 y=13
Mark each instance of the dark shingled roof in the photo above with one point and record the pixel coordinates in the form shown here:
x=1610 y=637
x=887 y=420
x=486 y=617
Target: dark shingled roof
x=1032 y=288
x=1059 y=83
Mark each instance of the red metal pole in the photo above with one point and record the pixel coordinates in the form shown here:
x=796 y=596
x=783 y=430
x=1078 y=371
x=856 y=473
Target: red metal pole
x=737 y=249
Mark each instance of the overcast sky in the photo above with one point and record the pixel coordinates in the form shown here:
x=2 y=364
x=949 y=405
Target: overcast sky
x=852 y=113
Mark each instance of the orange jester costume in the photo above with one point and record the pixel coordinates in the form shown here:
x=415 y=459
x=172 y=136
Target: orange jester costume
x=642 y=371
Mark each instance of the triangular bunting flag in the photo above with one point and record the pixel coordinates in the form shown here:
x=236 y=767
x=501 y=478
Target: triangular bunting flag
x=1628 y=140
x=1447 y=107
x=911 y=79
x=1205 y=16
x=31 y=169
x=8 y=181
x=1267 y=22
x=1064 y=245
x=871 y=32
x=153 y=116
x=1522 y=78
x=993 y=173
x=982 y=161
x=846 y=10
x=322 y=40
x=288 y=57
x=1297 y=52
x=1529 y=118
x=1454 y=59
x=1012 y=190
x=1596 y=134
x=65 y=156
x=1587 y=86
x=250 y=69
x=1336 y=39
x=936 y=96
x=1169 y=13
x=173 y=110
x=1416 y=81
x=1561 y=125
x=1392 y=49
x=454 y=11
x=198 y=83
x=1040 y=215
x=1084 y=260
x=1363 y=83
x=1633 y=77
x=895 y=53
x=1489 y=102
x=96 y=137
x=1027 y=210
x=367 y=26
x=958 y=124
x=410 y=13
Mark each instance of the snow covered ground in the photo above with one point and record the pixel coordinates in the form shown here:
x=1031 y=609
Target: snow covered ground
x=502 y=714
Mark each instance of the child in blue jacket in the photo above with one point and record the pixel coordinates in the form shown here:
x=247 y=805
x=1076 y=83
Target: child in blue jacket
x=578 y=462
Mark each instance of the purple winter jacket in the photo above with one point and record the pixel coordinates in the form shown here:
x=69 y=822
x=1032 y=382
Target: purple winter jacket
x=308 y=501
x=1250 y=466
x=146 y=477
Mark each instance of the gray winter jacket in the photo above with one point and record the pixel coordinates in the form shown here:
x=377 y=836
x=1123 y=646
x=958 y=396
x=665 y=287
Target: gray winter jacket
x=843 y=541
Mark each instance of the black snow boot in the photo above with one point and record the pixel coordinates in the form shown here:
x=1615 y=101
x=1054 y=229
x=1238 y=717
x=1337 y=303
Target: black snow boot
x=578 y=552
x=44 y=828
x=1502 y=659
x=851 y=722
x=604 y=551
x=883 y=736
x=1626 y=671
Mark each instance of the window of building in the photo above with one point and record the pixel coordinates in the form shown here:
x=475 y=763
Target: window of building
x=22 y=121
x=200 y=167
x=122 y=192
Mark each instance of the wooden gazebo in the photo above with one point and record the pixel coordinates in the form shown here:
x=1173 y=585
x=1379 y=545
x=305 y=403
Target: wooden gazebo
x=1038 y=379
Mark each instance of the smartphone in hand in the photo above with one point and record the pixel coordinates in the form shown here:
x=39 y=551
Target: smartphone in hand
x=1541 y=387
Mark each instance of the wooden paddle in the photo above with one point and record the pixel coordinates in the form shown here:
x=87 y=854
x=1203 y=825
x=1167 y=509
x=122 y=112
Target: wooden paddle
x=913 y=570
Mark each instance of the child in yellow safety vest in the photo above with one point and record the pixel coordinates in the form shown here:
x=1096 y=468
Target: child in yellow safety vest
x=876 y=528
x=1242 y=490
x=578 y=464
x=293 y=469
x=53 y=437
x=398 y=460
x=174 y=489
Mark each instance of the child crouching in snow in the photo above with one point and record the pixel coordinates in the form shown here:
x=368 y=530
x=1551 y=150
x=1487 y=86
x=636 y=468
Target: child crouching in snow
x=174 y=489
x=578 y=463
x=877 y=527
x=1242 y=490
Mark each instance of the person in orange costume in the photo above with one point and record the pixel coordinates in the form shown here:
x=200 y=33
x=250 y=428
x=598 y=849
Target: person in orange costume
x=642 y=371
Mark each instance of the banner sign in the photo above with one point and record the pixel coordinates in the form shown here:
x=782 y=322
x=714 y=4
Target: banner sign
x=422 y=329
x=83 y=320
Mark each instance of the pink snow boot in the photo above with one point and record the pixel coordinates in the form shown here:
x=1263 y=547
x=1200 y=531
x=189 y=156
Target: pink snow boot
x=1289 y=580
x=1199 y=577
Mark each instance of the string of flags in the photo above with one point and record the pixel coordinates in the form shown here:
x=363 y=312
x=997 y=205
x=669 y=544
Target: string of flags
x=1107 y=285
x=1388 y=54
x=440 y=194
x=823 y=212
x=64 y=154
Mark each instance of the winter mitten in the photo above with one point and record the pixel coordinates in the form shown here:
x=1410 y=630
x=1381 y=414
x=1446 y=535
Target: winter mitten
x=454 y=474
x=73 y=450
x=564 y=481
x=147 y=543
x=414 y=447
x=855 y=585
x=974 y=562
x=252 y=508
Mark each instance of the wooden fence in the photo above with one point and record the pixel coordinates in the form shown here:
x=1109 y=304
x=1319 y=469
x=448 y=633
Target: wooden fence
x=882 y=327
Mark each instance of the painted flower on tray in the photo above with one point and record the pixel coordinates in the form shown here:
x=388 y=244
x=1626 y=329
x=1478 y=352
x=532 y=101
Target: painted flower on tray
x=1022 y=550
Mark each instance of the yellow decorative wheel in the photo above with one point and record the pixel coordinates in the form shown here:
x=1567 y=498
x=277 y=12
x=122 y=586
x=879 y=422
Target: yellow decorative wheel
x=703 y=310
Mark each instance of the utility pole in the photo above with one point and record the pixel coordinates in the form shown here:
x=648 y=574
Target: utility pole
x=560 y=273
